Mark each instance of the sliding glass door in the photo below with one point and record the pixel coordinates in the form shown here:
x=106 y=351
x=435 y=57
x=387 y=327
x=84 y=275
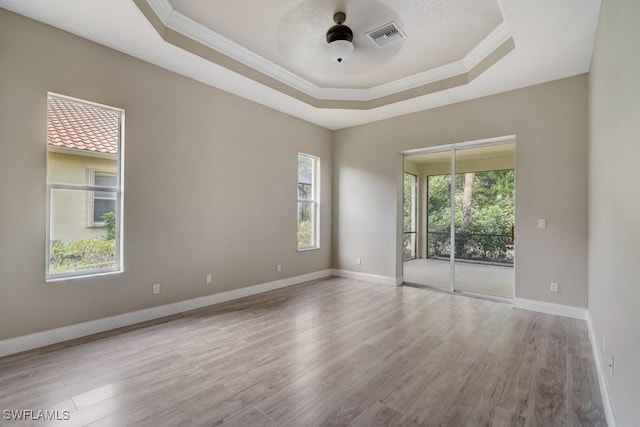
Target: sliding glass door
x=485 y=220
x=466 y=227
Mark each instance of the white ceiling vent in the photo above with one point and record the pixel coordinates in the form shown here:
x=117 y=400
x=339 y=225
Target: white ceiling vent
x=386 y=35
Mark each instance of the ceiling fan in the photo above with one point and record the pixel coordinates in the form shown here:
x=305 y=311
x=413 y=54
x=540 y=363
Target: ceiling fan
x=339 y=38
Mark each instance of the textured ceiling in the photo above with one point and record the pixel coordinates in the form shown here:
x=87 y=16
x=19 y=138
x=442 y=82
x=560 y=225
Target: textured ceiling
x=290 y=33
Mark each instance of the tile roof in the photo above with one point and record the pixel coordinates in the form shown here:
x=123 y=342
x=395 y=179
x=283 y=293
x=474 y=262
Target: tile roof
x=82 y=126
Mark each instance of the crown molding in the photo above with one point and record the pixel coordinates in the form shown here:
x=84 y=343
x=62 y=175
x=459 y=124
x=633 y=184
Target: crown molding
x=487 y=46
x=161 y=8
x=203 y=34
x=246 y=62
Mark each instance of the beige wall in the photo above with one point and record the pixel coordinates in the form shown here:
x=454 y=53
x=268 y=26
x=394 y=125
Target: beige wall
x=71 y=210
x=550 y=123
x=614 y=202
x=190 y=209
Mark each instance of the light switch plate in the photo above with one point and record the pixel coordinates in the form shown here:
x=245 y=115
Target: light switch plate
x=542 y=223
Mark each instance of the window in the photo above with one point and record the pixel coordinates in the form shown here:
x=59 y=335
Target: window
x=84 y=188
x=101 y=202
x=308 y=184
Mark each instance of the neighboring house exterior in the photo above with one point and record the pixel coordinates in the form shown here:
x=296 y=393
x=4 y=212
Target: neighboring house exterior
x=82 y=142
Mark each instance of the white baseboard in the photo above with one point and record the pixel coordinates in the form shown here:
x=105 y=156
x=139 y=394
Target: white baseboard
x=550 y=308
x=367 y=277
x=604 y=389
x=53 y=336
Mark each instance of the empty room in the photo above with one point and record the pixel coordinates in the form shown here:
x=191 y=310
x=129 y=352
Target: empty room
x=314 y=213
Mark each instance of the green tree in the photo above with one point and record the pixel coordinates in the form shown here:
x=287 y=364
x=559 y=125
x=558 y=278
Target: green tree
x=484 y=214
x=438 y=203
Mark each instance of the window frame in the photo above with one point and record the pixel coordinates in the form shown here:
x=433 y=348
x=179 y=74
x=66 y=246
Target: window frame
x=118 y=191
x=314 y=201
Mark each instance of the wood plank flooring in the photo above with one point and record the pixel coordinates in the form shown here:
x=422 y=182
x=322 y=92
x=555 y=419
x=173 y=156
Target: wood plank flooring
x=333 y=352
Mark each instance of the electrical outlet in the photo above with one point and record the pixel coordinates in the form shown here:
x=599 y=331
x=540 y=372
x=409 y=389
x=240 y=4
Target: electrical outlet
x=156 y=289
x=359 y=261
x=279 y=268
x=542 y=223
x=553 y=287
x=209 y=278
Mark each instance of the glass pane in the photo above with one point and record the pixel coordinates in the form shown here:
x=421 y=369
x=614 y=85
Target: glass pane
x=409 y=246
x=305 y=191
x=409 y=202
x=306 y=177
x=431 y=266
x=485 y=220
x=81 y=137
x=306 y=226
x=73 y=245
x=439 y=217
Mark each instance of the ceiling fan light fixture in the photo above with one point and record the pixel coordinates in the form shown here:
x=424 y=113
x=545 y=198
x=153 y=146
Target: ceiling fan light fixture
x=340 y=50
x=339 y=39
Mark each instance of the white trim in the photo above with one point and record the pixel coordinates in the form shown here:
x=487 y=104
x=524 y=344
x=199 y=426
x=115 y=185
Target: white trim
x=483 y=296
x=53 y=336
x=495 y=39
x=175 y=20
x=367 y=277
x=607 y=402
x=161 y=8
x=433 y=75
x=550 y=308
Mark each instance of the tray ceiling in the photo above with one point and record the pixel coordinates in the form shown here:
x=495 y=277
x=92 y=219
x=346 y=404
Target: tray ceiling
x=282 y=43
x=544 y=40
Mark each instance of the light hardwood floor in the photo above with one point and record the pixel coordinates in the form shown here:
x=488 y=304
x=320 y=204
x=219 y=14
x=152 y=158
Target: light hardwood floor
x=332 y=352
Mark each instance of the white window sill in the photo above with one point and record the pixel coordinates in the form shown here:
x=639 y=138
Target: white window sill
x=81 y=276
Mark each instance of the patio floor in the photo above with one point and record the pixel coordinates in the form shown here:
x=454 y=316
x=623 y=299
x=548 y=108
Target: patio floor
x=485 y=279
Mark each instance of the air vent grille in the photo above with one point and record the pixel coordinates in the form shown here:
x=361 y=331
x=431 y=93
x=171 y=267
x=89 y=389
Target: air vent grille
x=386 y=35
